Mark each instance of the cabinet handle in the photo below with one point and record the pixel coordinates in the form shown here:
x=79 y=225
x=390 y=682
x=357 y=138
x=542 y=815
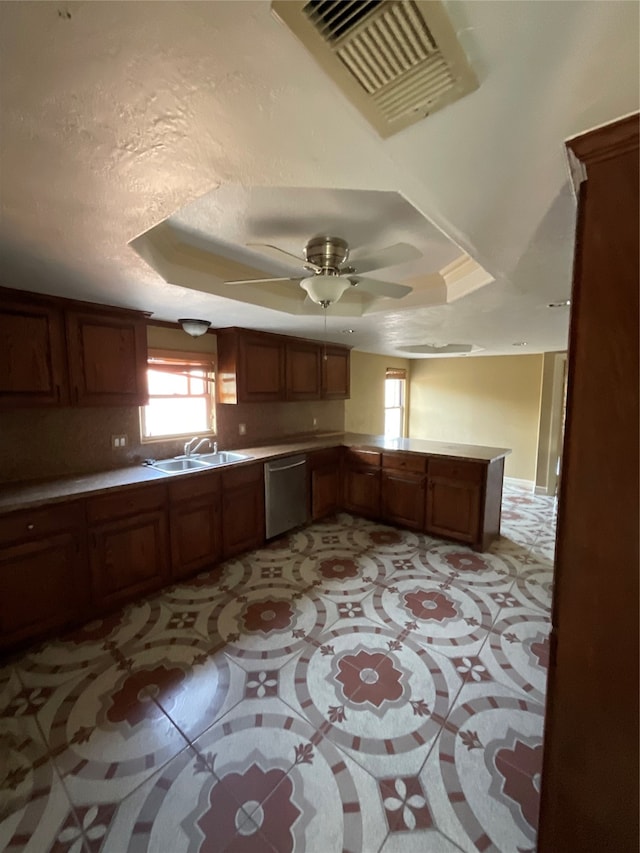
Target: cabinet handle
x=30 y=526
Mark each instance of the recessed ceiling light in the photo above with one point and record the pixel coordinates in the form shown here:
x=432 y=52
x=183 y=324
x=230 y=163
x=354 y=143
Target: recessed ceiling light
x=562 y=304
x=519 y=344
x=348 y=331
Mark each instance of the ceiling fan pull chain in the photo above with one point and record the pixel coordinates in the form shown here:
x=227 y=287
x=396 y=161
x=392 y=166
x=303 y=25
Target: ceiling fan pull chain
x=324 y=354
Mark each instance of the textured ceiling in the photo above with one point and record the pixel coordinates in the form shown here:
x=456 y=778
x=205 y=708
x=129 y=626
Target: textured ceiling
x=116 y=116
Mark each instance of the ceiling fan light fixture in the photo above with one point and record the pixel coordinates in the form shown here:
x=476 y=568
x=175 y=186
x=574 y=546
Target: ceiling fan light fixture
x=325 y=289
x=195 y=328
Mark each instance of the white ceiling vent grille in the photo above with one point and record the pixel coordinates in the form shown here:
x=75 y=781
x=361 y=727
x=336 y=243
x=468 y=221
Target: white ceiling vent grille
x=396 y=60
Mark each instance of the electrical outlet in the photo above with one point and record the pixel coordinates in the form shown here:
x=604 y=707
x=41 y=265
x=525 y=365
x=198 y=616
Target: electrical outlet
x=118 y=441
x=242 y=429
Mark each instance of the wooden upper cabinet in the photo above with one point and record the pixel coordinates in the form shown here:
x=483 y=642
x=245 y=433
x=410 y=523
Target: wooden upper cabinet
x=250 y=367
x=58 y=351
x=258 y=367
x=33 y=370
x=335 y=373
x=303 y=369
x=107 y=359
x=261 y=371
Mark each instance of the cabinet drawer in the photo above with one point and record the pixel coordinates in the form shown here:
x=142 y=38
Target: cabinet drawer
x=242 y=476
x=39 y=523
x=457 y=469
x=404 y=462
x=193 y=487
x=123 y=502
x=363 y=457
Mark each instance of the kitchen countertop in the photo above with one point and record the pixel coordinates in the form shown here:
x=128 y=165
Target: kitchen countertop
x=15 y=496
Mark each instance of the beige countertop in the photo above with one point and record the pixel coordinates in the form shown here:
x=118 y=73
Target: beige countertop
x=14 y=496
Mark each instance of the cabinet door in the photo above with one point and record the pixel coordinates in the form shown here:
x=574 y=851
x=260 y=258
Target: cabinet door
x=107 y=360
x=403 y=498
x=453 y=509
x=261 y=369
x=362 y=491
x=43 y=586
x=33 y=368
x=128 y=557
x=325 y=492
x=195 y=535
x=242 y=519
x=303 y=369
x=335 y=373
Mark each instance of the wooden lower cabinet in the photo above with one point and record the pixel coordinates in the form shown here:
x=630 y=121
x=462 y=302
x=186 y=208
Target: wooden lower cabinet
x=43 y=586
x=453 y=510
x=361 y=488
x=454 y=499
x=195 y=536
x=403 y=498
x=128 y=557
x=242 y=510
x=325 y=481
x=128 y=543
x=195 y=523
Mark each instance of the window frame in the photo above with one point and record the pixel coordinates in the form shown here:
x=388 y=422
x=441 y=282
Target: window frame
x=397 y=374
x=179 y=360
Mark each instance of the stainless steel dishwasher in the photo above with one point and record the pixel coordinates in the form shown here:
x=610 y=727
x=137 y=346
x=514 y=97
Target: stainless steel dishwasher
x=285 y=489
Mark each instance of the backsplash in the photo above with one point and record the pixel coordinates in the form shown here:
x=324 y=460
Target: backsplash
x=39 y=443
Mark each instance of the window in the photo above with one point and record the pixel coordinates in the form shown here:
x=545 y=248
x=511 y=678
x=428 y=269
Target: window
x=394 y=396
x=180 y=395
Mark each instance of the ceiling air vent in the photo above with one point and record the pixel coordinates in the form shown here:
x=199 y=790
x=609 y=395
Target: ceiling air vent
x=396 y=60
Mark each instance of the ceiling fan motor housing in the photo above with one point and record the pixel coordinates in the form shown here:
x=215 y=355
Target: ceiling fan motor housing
x=330 y=253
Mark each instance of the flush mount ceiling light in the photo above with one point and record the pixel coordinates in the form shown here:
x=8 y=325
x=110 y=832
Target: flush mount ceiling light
x=195 y=328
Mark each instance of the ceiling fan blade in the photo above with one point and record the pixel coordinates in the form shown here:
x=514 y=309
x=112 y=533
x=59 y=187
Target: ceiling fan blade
x=399 y=253
x=381 y=288
x=282 y=256
x=259 y=280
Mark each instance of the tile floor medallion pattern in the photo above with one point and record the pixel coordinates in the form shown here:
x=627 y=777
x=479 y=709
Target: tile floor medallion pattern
x=347 y=687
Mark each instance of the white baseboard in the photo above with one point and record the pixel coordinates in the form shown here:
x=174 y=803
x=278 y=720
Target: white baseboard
x=521 y=484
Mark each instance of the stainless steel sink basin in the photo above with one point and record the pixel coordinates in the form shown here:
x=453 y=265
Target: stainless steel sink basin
x=176 y=466
x=223 y=457
x=198 y=463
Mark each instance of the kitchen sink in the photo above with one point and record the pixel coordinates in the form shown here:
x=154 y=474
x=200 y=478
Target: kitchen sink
x=222 y=457
x=198 y=463
x=176 y=466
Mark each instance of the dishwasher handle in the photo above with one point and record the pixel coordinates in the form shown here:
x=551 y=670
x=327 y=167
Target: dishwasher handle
x=272 y=469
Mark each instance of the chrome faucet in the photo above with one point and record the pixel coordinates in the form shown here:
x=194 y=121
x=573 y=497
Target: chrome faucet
x=190 y=450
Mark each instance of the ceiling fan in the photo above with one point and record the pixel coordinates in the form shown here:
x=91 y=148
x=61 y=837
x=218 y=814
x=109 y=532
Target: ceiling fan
x=326 y=258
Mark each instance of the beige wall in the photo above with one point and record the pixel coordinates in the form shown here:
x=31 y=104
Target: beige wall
x=491 y=400
x=364 y=412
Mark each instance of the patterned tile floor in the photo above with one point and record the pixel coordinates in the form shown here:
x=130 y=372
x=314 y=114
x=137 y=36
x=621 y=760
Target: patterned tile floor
x=350 y=687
